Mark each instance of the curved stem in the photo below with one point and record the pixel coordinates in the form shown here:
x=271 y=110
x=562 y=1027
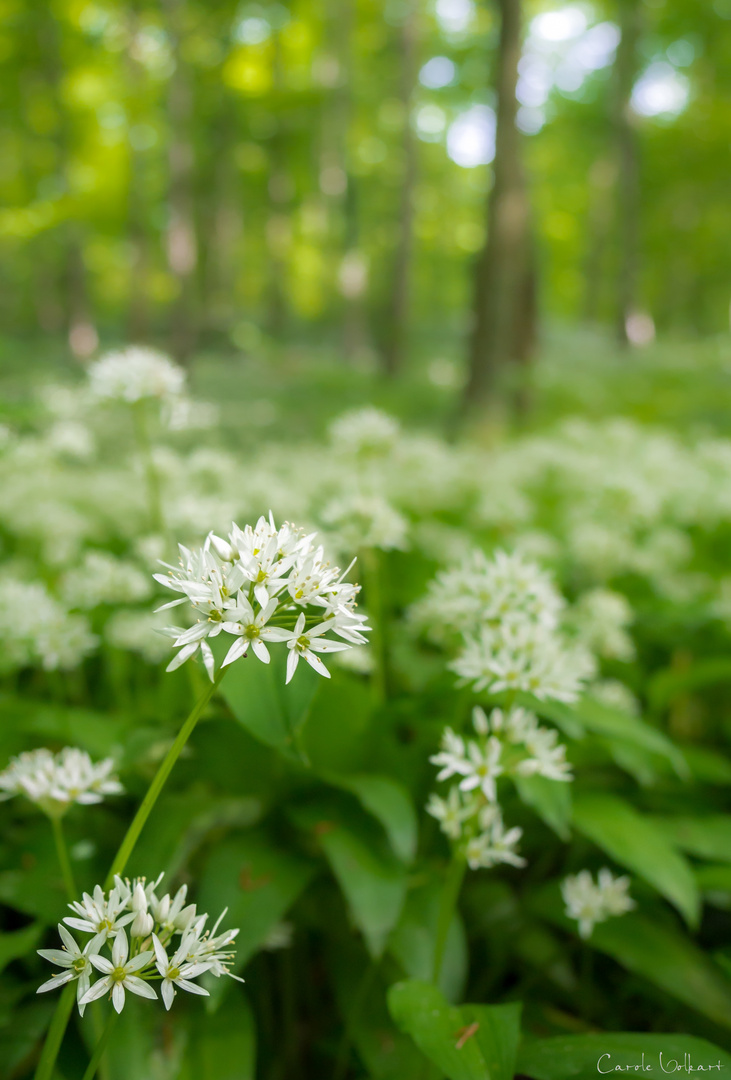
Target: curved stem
x=374 y=599
x=153 y=792
x=447 y=907
x=63 y=858
x=100 y=1048
x=52 y=1045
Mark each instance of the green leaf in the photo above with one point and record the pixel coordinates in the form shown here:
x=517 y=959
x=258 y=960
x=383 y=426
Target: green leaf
x=412 y=941
x=18 y=943
x=497 y=1035
x=471 y=1042
x=550 y=799
x=604 y=720
x=268 y=708
x=655 y=952
x=372 y=880
x=638 y=843
x=390 y=803
x=223 y=1046
x=667 y=685
x=257 y=882
x=582 y=1057
x=707 y=837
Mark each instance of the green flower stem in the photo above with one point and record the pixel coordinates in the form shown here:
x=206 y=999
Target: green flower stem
x=153 y=480
x=447 y=907
x=63 y=859
x=52 y=1045
x=374 y=600
x=100 y=1048
x=153 y=792
x=60 y=1019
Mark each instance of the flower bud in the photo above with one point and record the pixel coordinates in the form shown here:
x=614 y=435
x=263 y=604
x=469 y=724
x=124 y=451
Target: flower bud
x=163 y=909
x=183 y=920
x=142 y=925
x=138 y=900
x=222 y=549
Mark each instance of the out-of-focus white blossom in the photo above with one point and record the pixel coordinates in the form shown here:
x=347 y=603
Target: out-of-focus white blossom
x=55 y=781
x=600 y=618
x=616 y=695
x=357 y=521
x=364 y=433
x=36 y=629
x=589 y=902
x=263 y=586
x=104 y=579
x=168 y=942
x=134 y=374
x=139 y=632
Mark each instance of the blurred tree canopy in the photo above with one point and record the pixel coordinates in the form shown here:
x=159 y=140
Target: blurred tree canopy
x=190 y=172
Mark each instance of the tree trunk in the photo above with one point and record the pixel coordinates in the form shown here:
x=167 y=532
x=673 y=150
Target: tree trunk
x=505 y=280
x=397 y=319
x=628 y=184
x=182 y=248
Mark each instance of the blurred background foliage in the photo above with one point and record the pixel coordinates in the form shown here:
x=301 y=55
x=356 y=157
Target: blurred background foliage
x=233 y=174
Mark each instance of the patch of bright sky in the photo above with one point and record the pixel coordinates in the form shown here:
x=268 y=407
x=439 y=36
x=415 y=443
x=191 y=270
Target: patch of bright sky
x=454 y=16
x=430 y=122
x=252 y=31
x=471 y=137
x=437 y=73
x=660 y=91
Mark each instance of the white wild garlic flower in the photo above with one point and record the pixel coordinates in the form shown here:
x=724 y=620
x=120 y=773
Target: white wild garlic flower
x=55 y=781
x=263 y=586
x=135 y=374
x=590 y=903
x=138 y=939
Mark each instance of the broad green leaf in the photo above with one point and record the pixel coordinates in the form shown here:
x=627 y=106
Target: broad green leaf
x=604 y=720
x=706 y=837
x=716 y=879
x=708 y=766
x=667 y=685
x=412 y=941
x=497 y=1034
x=271 y=710
x=436 y=1027
x=583 y=1057
x=390 y=803
x=550 y=799
x=336 y=737
x=656 y=952
x=222 y=1046
x=638 y=843
x=257 y=882
x=371 y=878
x=470 y=1042
x=18 y=943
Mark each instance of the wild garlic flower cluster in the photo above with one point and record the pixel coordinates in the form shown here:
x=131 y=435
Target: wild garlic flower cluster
x=497 y=591
x=507 y=611
x=54 y=781
x=591 y=902
x=505 y=744
x=135 y=374
x=264 y=586
x=137 y=939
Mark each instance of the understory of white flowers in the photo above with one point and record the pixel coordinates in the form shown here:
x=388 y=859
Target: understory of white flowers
x=135 y=941
x=263 y=586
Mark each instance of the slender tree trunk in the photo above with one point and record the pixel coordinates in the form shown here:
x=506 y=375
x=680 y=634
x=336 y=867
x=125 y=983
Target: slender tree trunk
x=399 y=301
x=505 y=280
x=279 y=221
x=182 y=248
x=628 y=183
x=138 y=305
x=602 y=176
